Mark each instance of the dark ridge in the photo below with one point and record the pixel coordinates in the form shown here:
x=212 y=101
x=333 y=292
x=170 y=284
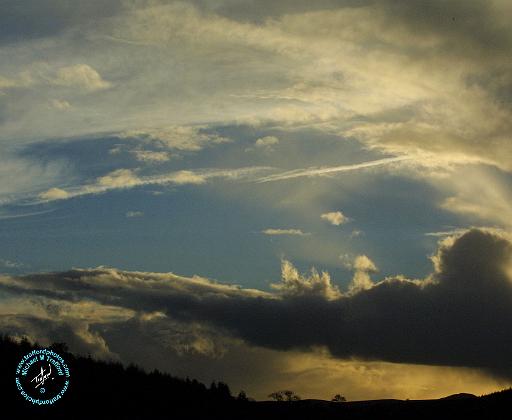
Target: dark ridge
x=108 y=390
x=461 y=396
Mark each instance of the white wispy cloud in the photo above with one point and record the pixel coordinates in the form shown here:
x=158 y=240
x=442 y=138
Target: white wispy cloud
x=128 y=178
x=17 y=216
x=185 y=138
x=443 y=233
x=324 y=171
x=314 y=65
x=150 y=156
x=80 y=75
x=356 y=233
x=296 y=232
x=131 y=214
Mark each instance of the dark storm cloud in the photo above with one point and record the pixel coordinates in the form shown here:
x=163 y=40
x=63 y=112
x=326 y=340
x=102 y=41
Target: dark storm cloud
x=460 y=316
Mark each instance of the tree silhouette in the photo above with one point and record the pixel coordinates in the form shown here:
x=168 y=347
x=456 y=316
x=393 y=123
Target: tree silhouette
x=276 y=396
x=285 y=395
x=220 y=390
x=339 y=398
x=60 y=348
x=121 y=392
x=242 y=396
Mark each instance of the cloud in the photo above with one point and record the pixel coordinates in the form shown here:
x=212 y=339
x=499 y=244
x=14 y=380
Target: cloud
x=200 y=351
x=24 y=79
x=117 y=179
x=363 y=263
x=458 y=316
x=131 y=214
x=81 y=75
x=272 y=231
x=60 y=104
x=6 y=216
x=27 y=176
x=363 y=267
x=76 y=334
x=266 y=141
x=480 y=196
x=189 y=177
x=401 y=77
x=184 y=138
x=335 y=218
x=151 y=156
x=54 y=194
x=294 y=284
x=120 y=178
x=325 y=171
x=356 y=233
x=444 y=233
x=128 y=178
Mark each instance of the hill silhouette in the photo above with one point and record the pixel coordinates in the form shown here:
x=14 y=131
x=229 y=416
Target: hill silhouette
x=102 y=390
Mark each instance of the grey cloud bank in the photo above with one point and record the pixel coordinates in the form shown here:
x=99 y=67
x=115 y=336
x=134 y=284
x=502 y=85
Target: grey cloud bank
x=459 y=316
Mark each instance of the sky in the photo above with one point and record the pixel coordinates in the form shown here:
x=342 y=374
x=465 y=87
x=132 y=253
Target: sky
x=277 y=194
